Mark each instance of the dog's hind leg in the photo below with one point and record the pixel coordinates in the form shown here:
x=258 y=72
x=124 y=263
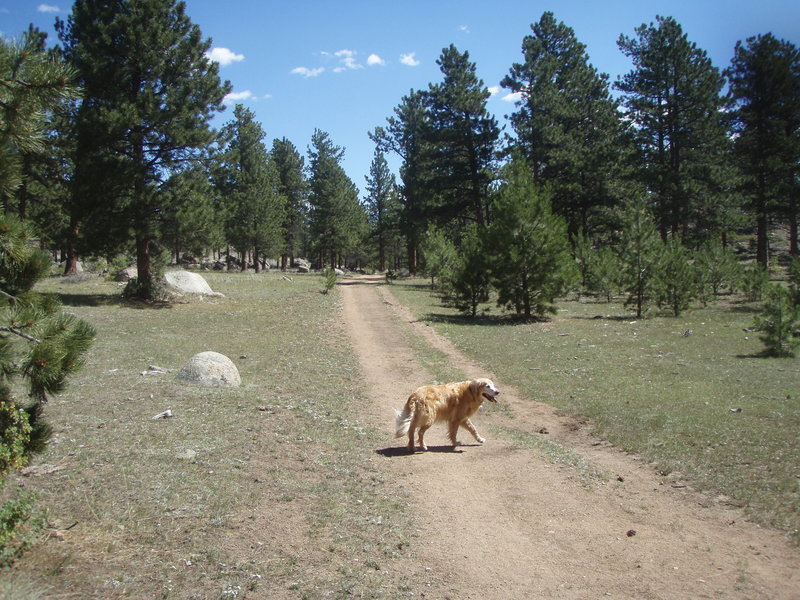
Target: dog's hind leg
x=471 y=428
x=422 y=431
x=412 y=427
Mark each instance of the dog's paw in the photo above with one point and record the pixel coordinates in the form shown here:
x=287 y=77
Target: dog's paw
x=480 y=440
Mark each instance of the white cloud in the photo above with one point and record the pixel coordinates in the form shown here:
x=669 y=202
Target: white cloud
x=237 y=96
x=223 y=56
x=374 y=59
x=306 y=72
x=464 y=28
x=513 y=97
x=347 y=61
x=47 y=8
x=494 y=90
x=409 y=60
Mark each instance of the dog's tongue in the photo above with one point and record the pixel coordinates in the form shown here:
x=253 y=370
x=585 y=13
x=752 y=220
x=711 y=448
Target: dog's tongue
x=489 y=397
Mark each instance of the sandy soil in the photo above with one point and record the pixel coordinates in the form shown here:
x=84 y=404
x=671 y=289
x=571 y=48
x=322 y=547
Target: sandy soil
x=499 y=521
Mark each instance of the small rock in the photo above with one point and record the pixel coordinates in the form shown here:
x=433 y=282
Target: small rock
x=163 y=415
x=630 y=532
x=186 y=455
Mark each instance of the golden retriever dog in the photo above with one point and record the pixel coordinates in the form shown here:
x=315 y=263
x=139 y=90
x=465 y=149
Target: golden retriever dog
x=454 y=403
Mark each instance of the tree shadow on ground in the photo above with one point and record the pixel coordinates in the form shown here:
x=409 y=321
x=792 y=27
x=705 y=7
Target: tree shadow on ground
x=507 y=320
x=97 y=300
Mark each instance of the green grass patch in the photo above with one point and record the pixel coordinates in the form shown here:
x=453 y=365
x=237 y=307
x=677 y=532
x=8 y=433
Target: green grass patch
x=692 y=394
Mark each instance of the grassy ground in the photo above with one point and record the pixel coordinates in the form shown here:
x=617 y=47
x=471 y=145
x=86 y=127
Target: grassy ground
x=225 y=496
x=664 y=388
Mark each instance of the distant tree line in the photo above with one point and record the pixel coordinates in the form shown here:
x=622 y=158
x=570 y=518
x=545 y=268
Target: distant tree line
x=643 y=190
x=132 y=165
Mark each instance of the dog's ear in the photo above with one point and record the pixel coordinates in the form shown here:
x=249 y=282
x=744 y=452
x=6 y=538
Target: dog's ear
x=475 y=387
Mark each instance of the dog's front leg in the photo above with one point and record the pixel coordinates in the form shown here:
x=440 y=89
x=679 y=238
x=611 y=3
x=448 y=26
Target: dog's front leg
x=471 y=428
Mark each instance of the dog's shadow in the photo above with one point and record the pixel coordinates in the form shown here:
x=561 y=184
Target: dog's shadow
x=403 y=451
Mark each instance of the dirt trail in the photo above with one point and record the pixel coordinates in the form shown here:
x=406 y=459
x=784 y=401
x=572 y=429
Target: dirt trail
x=502 y=522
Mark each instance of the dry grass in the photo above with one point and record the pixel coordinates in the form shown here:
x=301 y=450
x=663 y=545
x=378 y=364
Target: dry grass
x=269 y=487
x=663 y=387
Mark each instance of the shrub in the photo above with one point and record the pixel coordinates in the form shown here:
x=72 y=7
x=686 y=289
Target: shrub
x=328 y=279
x=532 y=264
x=754 y=282
x=465 y=285
x=20 y=526
x=717 y=268
x=604 y=272
x=779 y=322
x=675 y=281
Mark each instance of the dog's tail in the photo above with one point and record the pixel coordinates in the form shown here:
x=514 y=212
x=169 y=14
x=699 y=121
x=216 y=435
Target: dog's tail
x=402 y=421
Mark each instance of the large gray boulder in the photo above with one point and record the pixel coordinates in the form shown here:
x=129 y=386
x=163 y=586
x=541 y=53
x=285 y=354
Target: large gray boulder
x=185 y=282
x=210 y=369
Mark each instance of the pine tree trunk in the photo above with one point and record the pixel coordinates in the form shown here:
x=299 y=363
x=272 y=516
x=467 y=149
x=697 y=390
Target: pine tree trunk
x=143 y=262
x=71 y=262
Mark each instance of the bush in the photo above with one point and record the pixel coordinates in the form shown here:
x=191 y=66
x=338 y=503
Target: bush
x=532 y=262
x=328 y=279
x=717 y=268
x=779 y=322
x=438 y=252
x=754 y=282
x=20 y=526
x=604 y=273
x=465 y=285
x=675 y=281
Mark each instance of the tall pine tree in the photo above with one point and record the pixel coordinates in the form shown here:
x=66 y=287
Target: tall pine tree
x=406 y=135
x=765 y=87
x=673 y=99
x=292 y=185
x=381 y=204
x=256 y=209
x=464 y=136
x=149 y=93
x=337 y=219
x=566 y=125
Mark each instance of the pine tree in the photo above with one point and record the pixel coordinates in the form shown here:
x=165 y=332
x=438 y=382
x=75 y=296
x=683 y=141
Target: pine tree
x=779 y=322
x=32 y=83
x=381 y=203
x=337 y=219
x=566 y=125
x=149 y=93
x=604 y=272
x=464 y=137
x=407 y=135
x=765 y=87
x=256 y=209
x=292 y=185
x=439 y=254
x=673 y=99
x=465 y=284
x=39 y=344
x=192 y=222
x=640 y=249
x=717 y=267
x=675 y=280
x=532 y=263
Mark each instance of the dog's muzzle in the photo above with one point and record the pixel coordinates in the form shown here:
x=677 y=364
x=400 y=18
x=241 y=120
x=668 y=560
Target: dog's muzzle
x=491 y=397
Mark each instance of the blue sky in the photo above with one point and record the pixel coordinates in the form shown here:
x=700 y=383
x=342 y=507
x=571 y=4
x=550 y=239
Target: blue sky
x=343 y=66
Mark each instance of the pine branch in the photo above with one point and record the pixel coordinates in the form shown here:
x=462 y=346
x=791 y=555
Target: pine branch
x=21 y=334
